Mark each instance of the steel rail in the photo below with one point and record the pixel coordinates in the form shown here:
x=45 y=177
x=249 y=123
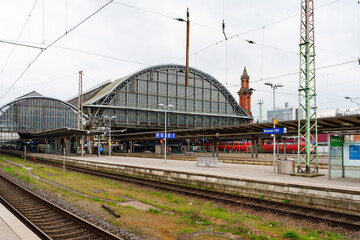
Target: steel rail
x=99 y=232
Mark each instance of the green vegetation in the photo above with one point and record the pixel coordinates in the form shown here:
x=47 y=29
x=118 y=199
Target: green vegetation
x=154 y=211
x=286 y=201
x=171 y=214
x=291 y=235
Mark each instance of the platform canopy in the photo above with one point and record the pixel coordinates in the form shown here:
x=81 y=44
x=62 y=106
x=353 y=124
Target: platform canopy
x=60 y=133
x=340 y=124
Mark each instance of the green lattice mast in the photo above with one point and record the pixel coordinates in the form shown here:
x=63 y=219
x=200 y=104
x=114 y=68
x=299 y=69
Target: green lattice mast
x=307 y=128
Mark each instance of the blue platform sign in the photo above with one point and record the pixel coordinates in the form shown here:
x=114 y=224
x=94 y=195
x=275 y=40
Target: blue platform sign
x=274 y=130
x=354 y=152
x=162 y=135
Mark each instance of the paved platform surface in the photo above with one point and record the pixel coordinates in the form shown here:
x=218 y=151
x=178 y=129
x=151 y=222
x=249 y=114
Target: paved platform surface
x=254 y=172
x=12 y=228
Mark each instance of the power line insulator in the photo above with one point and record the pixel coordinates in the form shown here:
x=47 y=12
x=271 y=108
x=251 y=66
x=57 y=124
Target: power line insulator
x=180 y=19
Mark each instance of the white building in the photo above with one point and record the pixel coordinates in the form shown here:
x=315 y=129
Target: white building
x=284 y=114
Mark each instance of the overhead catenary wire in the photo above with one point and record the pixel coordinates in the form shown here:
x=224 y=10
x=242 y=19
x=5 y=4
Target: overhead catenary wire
x=19 y=35
x=258 y=28
x=295 y=73
x=46 y=82
x=102 y=55
x=250 y=40
x=226 y=44
x=22 y=45
x=216 y=29
x=34 y=45
x=56 y=40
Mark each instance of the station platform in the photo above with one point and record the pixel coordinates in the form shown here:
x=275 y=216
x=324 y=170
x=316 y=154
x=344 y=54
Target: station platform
x=252 y=172
x=250 y=180
x=12 y=228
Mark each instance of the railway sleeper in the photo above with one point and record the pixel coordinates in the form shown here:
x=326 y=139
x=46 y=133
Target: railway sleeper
x=42 y=215
x=46 y=221
x=51 y=225
x=42 y=219
x=31 y=211
x=58 y=229
x=70 y=235
x=88 y=236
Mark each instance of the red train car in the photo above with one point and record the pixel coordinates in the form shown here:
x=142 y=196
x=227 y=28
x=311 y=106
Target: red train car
x=291 y=146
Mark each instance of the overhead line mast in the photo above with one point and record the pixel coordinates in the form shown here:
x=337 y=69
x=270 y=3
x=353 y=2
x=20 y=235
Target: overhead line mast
x=80 y=101
x=307 y=128
x=187 y=46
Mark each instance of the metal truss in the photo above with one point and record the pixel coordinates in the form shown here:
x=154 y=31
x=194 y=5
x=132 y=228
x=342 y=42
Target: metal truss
x=307 y=129
x=9 y=112
x=107 y=98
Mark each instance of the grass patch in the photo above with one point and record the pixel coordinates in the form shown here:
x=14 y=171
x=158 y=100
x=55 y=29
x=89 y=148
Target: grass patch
x=286 y=201
x=273 y=224
x=291 y=235
x=154 y=211
x=170 y=214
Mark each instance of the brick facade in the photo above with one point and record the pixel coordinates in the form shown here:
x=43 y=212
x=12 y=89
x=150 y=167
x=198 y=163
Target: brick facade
x=245 y=93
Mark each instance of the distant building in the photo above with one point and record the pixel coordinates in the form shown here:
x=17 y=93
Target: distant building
x=284 y=114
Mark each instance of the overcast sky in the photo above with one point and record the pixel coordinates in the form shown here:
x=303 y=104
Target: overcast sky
x=127 y=36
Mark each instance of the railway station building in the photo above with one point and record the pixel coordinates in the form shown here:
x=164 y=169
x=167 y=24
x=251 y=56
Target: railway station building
x=136 y=102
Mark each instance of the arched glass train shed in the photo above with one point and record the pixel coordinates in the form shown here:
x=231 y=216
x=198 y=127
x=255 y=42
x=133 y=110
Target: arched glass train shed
x=134 y=100
x=36 y=114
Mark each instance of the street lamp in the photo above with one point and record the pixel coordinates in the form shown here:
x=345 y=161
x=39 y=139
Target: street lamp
x=110 y=118
x=274 y=86
x=352 y=100
x=166 y=107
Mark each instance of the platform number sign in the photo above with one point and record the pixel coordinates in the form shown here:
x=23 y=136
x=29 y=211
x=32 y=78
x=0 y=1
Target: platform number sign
x=162 y=135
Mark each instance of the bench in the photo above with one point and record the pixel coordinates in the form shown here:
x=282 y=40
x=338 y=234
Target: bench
x=147 y=152
x=207 y=161
x=189 y=153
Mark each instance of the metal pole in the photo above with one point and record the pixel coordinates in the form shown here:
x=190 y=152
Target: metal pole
x=98 y=146
x=25 y=152
x=165 y=134
x=274 y=138
x=187 y=47
x=252 y=146
x=64 y=150
x=217 y=147
x=82 y=145
x=109 y=136
x=213 y=148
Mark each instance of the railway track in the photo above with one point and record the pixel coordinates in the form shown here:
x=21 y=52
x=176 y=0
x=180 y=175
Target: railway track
x=44 y=218
x=346 y=220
